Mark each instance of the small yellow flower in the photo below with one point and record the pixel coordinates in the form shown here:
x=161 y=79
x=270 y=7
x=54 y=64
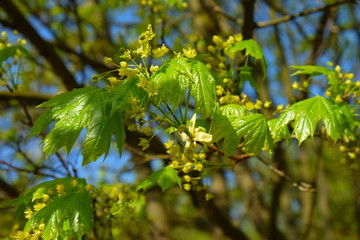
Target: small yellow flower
x=189 y=53
x=211 y=48
x=209 y=196
x=113 y=80
x=123 y=64
x=154 y=68
x=75 y=183
x=338 y=99
x=126 y=54
x=217 y=40
x=229 y=41
x=280 y=107
x=328 y=93
x=238 y=37
x=60 y=188
x=89 y=188
x=187 y=167
x=28 y=213
x=295 y=85
x=174 y=164
x=267 y=104
x=160 y=52
x=342 y=148
x=169 y=144
x=219 y=90
x=249 y=106
x=351 y=155
x=39 y=206
x=198 y=167
x=258 y=104
x=187 y=187
x=108 y=60
x=221 y=65
x=45 y=197
x=187 y=178
x=330 y=64
x=337 y=69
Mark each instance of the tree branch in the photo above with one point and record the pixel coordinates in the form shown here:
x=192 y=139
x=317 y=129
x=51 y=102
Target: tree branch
x=19 y=21
x=300 y=14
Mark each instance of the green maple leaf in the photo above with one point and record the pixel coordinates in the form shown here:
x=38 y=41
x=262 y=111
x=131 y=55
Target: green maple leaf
x=121 y=94
x=68 y=215
x=236 y=123
x=203 y=89
x=331 y=75
x=280 y=133
x=73 y=111
x=172 y=79
x=7 y=52
x=251 y=48
x=165 y=178
x=179 y=74
x=337 y=118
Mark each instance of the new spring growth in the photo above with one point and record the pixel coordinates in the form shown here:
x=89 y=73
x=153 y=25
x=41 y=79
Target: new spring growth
x=160 y=52
x=197 y=134
x=144 y=39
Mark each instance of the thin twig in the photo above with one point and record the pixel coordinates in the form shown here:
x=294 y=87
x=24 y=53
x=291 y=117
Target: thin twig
x=300 y=14
x=300 y=185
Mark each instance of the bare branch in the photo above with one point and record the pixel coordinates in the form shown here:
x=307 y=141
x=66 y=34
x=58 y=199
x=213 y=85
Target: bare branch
x=300 y=14
x=21 y=24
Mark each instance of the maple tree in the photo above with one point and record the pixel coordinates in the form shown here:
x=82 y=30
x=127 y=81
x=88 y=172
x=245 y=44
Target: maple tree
x=191 y=102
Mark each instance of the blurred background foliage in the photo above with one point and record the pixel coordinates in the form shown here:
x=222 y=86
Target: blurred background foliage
x=62 y=43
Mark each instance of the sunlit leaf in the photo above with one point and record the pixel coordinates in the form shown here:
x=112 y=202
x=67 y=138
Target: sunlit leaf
x=66 y=215
x=166 y=178
x=203 y=89
x=7 y=52
x=337 y=119
x=237 y=123
x=251 y=48
x=172 y=79
x=73 y=111
x=121 y=94
x=311 y=70
x=179 y=74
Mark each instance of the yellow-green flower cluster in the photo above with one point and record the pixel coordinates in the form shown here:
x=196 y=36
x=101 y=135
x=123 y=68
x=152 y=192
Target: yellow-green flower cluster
x=144 y=49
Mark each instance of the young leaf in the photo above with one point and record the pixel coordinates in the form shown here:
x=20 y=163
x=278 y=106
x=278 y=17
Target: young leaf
x=67 y=215
x=233 y=110
x=254 y=129
x=165 y=178
x=280 y=133
x=331 y=75
x=337 y=119
x=251 y=48
x=7 y=52
x=172 y=79
x=247 y=75
x=222 y=128
x=73 y=111
x=121 y=94
x=236 y=123
x=203 y=89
